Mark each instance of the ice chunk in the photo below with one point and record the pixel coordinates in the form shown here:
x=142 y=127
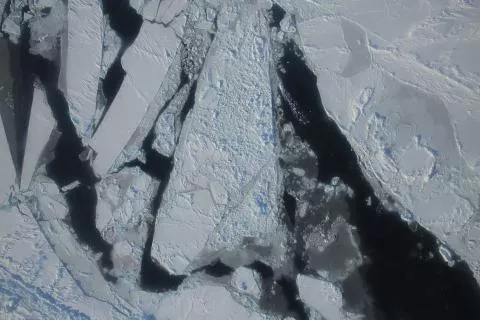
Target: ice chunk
x=169 y=9
x=224 y=184
x=322 y=296
x=45 y=29
x=146 y=63
x=40 y=128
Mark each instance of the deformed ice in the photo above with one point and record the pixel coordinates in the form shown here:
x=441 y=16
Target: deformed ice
x=40 y=128
x=224 y=184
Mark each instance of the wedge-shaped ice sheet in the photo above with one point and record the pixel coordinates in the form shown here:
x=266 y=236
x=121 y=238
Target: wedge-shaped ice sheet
x=146 y=63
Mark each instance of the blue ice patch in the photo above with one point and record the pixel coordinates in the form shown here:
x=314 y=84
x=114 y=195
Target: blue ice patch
x=262 y=205
x=243 y=286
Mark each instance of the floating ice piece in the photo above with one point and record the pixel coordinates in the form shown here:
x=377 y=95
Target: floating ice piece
x=447 y=255
x=224 y=183
x=40 y=128
x=70 y=186
x=356 y=40
x=11 y=26
x=146 y=63
x=46 y=29
x=83 y=60
x=35 y=283
x=246 y=281
x=163 y=11
x=322 y=296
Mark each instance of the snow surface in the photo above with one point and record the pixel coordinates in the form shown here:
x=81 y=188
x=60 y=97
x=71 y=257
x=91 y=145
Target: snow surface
x=400 y=78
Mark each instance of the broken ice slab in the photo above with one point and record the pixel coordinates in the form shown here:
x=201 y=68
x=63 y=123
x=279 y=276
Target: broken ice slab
x=247 y=281
x=123 y=205
x=45 y=29
x=321 y=296
x=150 y=9
x=146 y=63
x=40 y=128
x=225 y=164
x=83 y=61
x=7 y=169
x=204 y=302
x=84 y=269
x=147 y=8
